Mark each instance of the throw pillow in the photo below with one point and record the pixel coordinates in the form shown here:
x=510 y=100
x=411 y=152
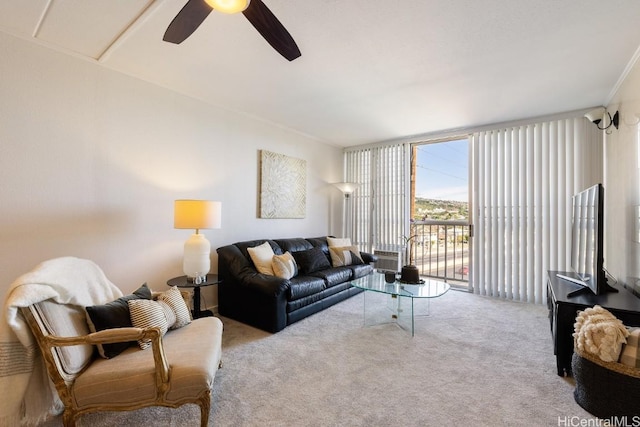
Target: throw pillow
x=173 y=298
x=262 y=256
x=114 y=314
x=630 y=354
x=284 y=266
x=356 y=258
x=149 y=313
x=345 y=255
x=311 y=260
x=338 y=242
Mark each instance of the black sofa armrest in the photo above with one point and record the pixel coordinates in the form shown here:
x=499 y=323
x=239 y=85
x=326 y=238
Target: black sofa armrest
x=236 y=269
x=264 y=284
x=368 y=258
x=246 y=295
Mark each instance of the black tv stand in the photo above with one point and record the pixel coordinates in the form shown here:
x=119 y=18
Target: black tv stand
x=563 y=310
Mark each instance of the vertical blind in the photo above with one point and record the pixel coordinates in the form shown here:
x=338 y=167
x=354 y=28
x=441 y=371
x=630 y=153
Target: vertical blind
x=379 y=206
x=524 y=178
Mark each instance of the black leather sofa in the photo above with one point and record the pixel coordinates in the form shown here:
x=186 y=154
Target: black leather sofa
x=272 y=303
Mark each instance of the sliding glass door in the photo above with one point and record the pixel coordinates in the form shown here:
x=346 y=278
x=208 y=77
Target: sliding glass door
x=440 y=239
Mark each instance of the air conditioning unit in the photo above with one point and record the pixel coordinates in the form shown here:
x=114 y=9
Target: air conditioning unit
x=388 y=261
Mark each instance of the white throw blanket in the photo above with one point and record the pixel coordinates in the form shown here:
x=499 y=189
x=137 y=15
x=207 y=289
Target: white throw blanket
x=28 y=395
x=600 y=333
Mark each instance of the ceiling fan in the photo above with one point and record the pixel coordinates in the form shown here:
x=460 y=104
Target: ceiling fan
x=195 y=11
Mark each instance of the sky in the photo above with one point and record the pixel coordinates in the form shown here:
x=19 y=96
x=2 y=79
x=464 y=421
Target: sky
x=442 y=171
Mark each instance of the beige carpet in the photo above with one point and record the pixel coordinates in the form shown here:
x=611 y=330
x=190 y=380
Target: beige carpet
x=473 y=361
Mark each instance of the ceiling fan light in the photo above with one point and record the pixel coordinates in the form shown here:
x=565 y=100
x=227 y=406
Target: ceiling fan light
x=228 y=6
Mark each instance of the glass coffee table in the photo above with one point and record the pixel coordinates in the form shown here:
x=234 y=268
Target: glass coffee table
x=401 y=297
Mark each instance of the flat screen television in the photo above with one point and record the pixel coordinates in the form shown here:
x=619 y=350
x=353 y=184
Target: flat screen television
x=587 y=242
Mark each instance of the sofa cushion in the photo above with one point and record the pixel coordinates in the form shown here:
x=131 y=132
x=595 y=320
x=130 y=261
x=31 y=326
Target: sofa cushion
x=284 y=266
x=360 y=270
x=319 y=242
x=293 y=245
x=334 y=276
x=262 y=256
x=311 y=260
x=303 y=286
x=114 y=314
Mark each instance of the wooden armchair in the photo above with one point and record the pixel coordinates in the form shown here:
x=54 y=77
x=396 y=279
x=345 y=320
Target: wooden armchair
x=178 y=369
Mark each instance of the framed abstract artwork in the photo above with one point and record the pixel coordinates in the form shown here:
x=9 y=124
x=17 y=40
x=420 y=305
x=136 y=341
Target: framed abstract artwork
x=283 y=186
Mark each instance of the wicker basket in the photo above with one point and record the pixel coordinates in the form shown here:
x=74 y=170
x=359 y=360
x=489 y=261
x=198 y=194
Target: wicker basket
x=605 y=389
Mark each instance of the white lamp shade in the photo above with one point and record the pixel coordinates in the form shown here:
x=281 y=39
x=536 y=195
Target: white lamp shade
x=197 y=214
x=196 y=261
x=595 y=115
x=228 y=6
x=347 y=187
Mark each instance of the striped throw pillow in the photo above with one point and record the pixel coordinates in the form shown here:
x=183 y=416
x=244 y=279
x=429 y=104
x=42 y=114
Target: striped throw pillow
x=149 y=313
x=173 y=298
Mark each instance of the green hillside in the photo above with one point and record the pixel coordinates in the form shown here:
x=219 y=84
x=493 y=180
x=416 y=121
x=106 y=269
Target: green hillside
x=440 y=210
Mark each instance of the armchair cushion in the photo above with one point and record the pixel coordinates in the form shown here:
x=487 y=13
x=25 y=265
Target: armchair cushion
x=64 y=321
x=194 y=362
x=114 y=314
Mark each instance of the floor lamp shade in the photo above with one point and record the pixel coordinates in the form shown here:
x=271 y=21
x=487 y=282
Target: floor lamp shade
x=197 y=215
x=347 y=189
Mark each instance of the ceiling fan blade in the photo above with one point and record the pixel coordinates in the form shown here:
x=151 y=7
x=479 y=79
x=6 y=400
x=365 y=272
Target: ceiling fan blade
x=187 y=21
x=271 y=29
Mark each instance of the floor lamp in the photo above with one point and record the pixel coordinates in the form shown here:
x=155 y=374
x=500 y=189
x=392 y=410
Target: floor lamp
x=347 y=189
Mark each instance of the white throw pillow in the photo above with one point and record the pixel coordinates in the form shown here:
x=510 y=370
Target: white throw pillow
x=262 y=257
x=284 y=266
x=338 y=241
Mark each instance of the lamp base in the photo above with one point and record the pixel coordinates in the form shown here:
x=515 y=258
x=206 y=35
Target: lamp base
x=196 y=262
x=198 y=280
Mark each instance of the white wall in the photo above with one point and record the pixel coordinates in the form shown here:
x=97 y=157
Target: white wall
x=622 y=184
x=92 y=160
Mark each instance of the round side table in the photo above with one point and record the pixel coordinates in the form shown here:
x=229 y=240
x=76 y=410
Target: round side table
x=183 y=282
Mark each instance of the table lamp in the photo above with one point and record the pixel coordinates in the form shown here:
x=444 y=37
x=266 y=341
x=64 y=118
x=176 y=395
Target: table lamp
x=197 y=214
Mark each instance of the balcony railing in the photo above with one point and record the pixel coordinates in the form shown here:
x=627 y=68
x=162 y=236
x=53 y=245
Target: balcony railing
x=440 y=249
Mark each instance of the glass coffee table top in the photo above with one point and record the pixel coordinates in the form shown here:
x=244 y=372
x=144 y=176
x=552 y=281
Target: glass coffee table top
x=375 y=282
x=401 y=295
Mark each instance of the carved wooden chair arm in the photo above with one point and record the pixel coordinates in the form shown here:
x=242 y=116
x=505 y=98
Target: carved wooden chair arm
x=109 y=336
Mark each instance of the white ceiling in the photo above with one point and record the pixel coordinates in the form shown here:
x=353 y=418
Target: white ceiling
x=370 y=70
